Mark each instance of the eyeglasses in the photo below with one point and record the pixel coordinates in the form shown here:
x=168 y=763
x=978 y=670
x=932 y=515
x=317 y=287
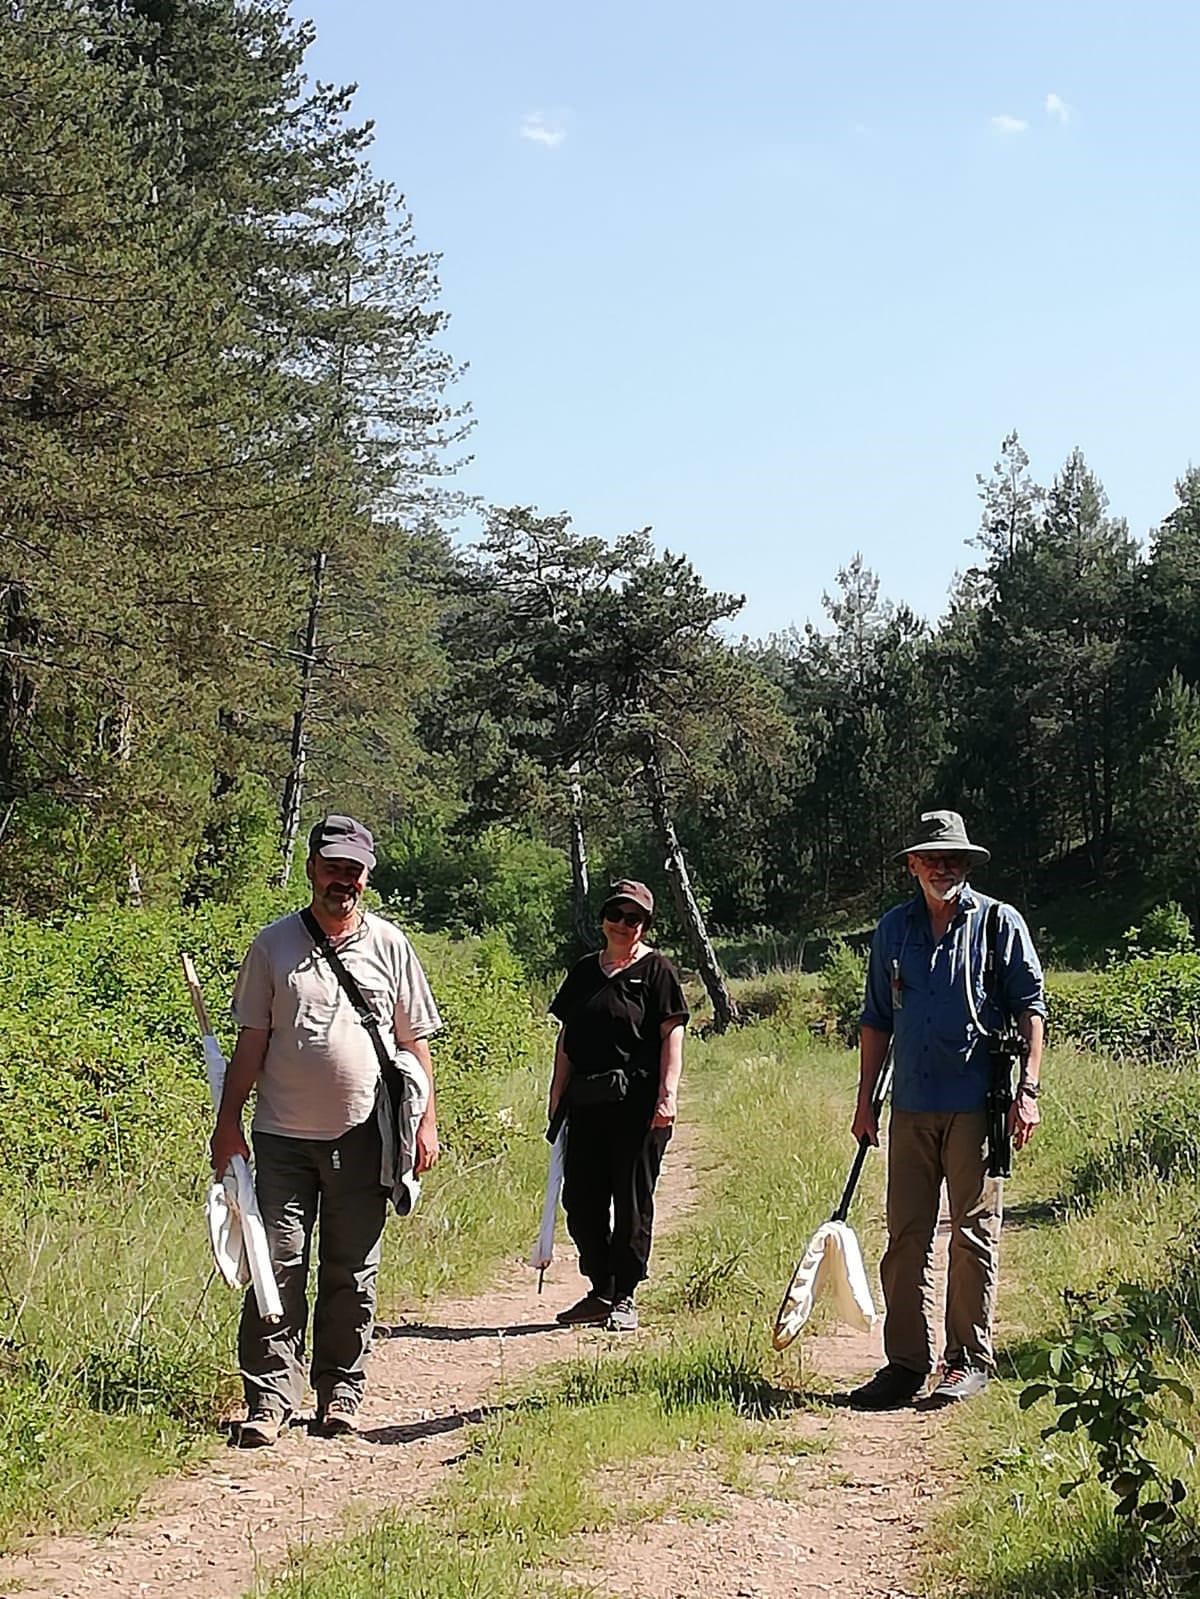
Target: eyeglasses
x=630 y=918
x=948 y=863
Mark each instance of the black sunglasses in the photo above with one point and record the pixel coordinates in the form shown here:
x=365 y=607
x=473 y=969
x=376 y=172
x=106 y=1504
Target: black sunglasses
x=630 y=918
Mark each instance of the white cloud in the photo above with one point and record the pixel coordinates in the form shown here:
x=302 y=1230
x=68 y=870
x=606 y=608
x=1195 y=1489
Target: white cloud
x=1056 y=106
x=547 y=128
x=1006 y=124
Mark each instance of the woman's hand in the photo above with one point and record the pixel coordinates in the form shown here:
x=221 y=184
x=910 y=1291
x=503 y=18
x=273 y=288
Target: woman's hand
x=664 y=1112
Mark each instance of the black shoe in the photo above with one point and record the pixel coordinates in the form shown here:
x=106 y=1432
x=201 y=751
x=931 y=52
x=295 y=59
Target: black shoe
x=889 y=1389
x=590 y=1311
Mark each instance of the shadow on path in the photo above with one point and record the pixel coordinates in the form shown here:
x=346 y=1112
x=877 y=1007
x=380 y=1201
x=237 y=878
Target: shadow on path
x=412 y=1432
x=455 y=1335
x=1036 y=1212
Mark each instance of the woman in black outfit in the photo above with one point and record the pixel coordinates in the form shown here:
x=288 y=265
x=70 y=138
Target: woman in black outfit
x=618 y=1060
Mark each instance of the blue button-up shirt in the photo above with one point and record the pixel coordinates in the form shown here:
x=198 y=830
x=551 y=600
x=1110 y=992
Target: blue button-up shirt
x=916 y=991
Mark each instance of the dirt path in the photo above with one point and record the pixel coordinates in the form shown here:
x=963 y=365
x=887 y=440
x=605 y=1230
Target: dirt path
x=210 y=1533
x=849 y=1519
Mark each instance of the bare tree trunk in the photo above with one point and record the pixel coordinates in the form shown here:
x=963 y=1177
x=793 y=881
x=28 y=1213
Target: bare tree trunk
x=206 y=863
x=117 y=733
x=293 y=788
x=17 y=692
x=581 y=916
x=724 y=1007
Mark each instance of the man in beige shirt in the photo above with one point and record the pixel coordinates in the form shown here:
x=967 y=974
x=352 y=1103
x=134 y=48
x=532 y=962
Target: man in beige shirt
x=317 y=1142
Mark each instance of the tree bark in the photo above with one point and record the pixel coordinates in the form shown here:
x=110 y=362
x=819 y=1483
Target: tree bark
x=17 y=692
x=114 y=737
x=582 y=923
x=206 y=862
x=724 y=1007
x=293 y=787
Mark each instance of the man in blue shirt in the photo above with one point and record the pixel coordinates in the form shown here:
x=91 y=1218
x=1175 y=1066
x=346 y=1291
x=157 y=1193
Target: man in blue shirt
x=926 y=997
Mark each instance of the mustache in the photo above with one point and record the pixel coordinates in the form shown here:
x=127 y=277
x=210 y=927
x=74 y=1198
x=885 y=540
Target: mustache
x=351 y=889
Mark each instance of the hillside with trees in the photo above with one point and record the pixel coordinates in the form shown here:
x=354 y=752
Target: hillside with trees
x=233 y=591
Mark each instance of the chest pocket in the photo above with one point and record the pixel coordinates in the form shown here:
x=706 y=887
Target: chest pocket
x=377 y=1001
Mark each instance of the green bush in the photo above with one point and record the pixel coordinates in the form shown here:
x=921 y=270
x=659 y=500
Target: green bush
x=843 y=979
x=1165 y=929
x=1105 y=1380
x=100 y=1069
x=1163 y=1143
x=1147 y=1008
x=504 y=882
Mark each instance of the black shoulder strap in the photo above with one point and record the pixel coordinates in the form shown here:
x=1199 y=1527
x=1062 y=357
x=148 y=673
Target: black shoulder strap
x=991 y=955
x=350 y=988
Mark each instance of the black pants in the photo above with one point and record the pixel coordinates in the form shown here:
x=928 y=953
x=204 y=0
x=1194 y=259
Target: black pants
x=612 y=1164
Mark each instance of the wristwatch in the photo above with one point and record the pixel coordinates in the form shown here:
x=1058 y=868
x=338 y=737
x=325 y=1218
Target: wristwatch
x=1032 y=1089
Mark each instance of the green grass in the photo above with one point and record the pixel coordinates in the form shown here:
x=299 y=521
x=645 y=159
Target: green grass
x=475 y=1211
x=110 y=1296
x=776 y=1108
x=1100 y=1198
x=1104 y=1193
x=544 y=1471
x=117 y=1343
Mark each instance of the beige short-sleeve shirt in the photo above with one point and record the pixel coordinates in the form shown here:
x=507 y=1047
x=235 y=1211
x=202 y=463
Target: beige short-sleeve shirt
x=320 y=1072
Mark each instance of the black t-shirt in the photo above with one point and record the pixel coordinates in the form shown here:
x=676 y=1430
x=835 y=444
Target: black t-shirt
x=616 y=1021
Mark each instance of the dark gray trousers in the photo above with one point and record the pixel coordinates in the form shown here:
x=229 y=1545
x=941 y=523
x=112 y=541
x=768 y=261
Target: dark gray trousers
x=301 y=1182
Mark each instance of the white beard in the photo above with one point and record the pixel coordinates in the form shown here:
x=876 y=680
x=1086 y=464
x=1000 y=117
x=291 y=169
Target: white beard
x=947 y=896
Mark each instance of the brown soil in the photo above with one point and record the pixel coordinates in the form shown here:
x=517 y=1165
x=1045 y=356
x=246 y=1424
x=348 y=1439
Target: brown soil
x=850 y=1518
x=847 y=1519
x=211 y=1532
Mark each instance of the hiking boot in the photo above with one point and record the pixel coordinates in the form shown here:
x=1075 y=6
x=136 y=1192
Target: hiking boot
x=589 y=1311
x=339 y=1417
x=959 y=1381
x=623 y=1317
x=889 y=1389
x=261 y=1429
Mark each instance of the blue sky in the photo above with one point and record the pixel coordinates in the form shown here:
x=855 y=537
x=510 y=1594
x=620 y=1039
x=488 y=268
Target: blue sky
x=777 y=278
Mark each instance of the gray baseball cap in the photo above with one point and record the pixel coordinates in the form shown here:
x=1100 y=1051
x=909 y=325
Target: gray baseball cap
x=341 y=838
x=944 y=833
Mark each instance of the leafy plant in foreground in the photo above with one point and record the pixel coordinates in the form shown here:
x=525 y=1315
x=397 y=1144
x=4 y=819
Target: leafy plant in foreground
x=1103 y=1379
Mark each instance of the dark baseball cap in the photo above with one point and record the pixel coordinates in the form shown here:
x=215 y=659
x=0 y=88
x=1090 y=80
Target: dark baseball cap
x=341 y=838
x=637 y=893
